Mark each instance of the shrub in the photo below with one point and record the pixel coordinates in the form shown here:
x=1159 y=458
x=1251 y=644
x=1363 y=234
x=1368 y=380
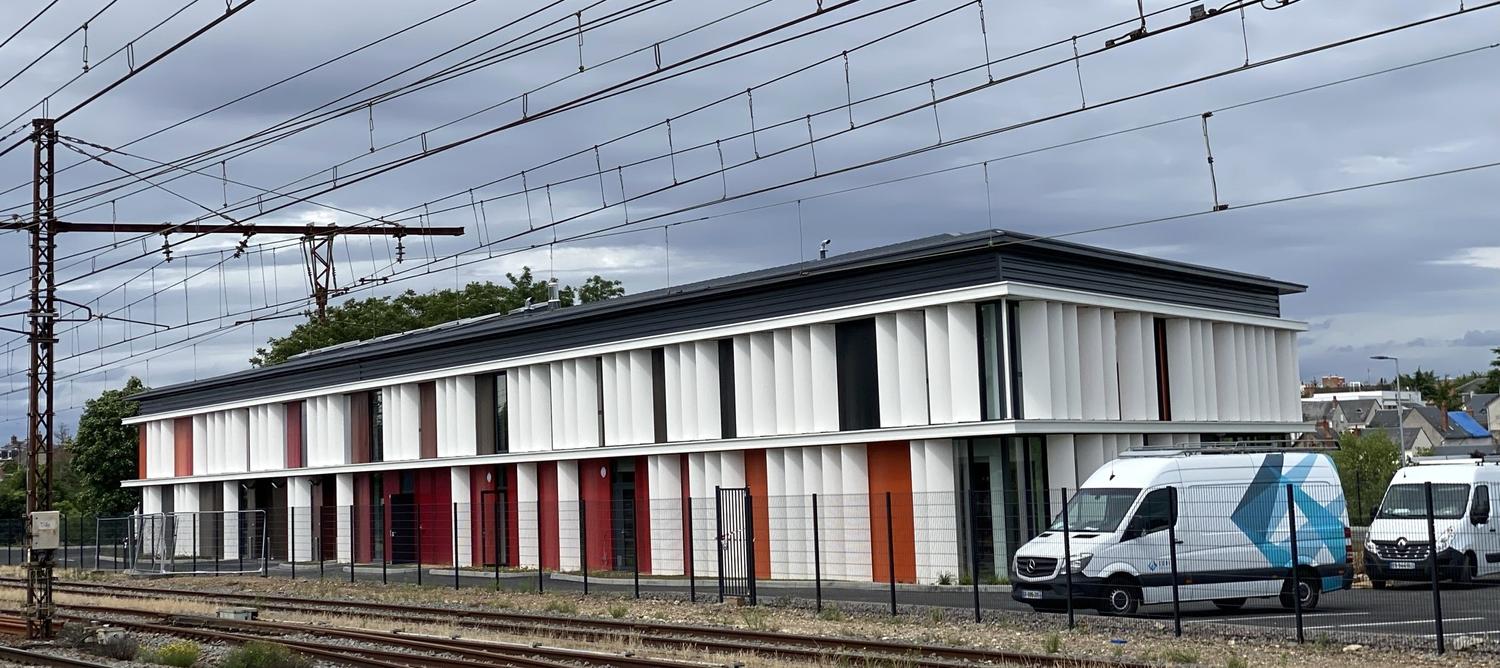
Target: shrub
x=122 y=647
x=618 y=610
x=945 y=578
x=261 y=654
x=562 y=607
x=178 y=653
x=832 y=613
x=1053 y=643
x=75 y=635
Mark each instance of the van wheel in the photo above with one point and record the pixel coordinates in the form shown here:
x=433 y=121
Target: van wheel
x=1121 y=597
x=1306 y=587
x=1467 y=571
x=1229 y=604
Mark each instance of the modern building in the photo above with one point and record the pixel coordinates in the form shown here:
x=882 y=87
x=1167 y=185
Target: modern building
x=957 y=378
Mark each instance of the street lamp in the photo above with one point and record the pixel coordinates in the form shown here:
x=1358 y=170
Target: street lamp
x=1400 y=417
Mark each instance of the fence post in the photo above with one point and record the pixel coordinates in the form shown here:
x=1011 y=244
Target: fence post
x=385 y=541
x=541 y=566
x=817 y=557
x=750 y=544
x=1296 y=581
x=417 y=514
x=496 y=531
x=291 y=543
x=1068 y=557
x=635 y=544
x=890 y=550
x=65 y=542
x=353 y=539
x=218 y=550
x=317 y=537
x=1172 y=548
x=96 y=543
x=455 y=546
x=583 y=544
x=973 y=552
x=692 y=557
x=194 y=549
x=265 y=544
x=1432 y=565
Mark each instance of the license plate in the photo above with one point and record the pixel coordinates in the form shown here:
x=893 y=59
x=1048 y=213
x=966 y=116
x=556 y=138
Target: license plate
x=1031 y=594
x=1403 y=565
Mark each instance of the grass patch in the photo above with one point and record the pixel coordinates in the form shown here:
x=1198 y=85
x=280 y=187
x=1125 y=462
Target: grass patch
x=1236 y=662
x=757 y=619
x=1179 y=655
x=618 y=610
x=1053 y=643
x=832 y=613
x=562 y=607
x=178 y=653
x=260 y=654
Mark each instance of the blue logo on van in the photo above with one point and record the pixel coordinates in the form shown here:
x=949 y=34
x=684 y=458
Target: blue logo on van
x=1263 y=509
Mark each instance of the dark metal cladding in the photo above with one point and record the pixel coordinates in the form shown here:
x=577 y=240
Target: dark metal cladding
x=910 y=268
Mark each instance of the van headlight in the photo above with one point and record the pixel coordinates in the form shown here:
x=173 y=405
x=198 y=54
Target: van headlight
x=1371 y=549
x=1079 y=562
x=1445 y=539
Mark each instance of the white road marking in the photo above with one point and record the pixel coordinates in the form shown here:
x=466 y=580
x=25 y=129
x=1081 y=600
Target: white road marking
x=1414 y=621
x=1251 y=618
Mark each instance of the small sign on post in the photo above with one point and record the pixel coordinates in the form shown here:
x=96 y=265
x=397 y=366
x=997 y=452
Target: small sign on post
x=45 y=529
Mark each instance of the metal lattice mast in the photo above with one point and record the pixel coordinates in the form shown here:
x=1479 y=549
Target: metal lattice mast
x=40 y=320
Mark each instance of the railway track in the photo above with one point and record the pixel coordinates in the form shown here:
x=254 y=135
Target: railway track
x=29 y=658
x=653 y=634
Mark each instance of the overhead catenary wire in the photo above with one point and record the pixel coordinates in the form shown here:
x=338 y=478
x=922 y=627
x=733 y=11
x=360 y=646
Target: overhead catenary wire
x=28 y=23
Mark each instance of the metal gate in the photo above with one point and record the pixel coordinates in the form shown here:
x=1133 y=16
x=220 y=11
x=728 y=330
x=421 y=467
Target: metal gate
x=736 y=543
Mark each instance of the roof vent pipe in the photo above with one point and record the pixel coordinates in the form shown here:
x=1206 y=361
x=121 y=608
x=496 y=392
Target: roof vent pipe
x=823 y=249
x=554 y=297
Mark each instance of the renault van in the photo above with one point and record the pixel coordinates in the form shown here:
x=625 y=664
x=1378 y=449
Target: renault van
x=1468 y=546
x=1227 y=512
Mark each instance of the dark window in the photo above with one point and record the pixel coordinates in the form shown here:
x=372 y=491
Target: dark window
x=992 y=361
x=599 y=394
x=659 y=393
x=1154 y=514
x=727 y=427
x=1163 y=383
x=502 y=414
x=377 y=425
x=858 y=384
x=1480 y=508
x=1012 y=331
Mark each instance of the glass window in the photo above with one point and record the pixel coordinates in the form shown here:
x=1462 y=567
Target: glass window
x=1480 y=506
x=858 y=384
x=1097 y=510
x=992 y=361
x=1410 y=501
x=377 y=425
x=727 y=427
x=502 y=405
x=1154 y=514
x=1163 y=386
x=659 y=393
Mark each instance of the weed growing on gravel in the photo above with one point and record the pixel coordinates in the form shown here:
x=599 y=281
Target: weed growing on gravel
x=562 y=607
x=1053 y=643
x=945 y=578
x=832 y=613
x=1179 y=655
x=935 y=615
x=757 y=619
x=618 y=610
x=260 y=654
x=123 y=648
x=1236 y=662
x=178 y=653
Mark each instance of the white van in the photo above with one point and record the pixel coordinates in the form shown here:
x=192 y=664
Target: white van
x=1230 y=523
x=1468 y=545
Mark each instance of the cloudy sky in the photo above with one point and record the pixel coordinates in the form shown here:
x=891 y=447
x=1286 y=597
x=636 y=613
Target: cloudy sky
x=1407 y=269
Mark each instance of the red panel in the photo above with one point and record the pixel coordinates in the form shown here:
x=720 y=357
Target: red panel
x=594 y=479
x=643 y=512
x=755 y=479
x=483 y=482
x=359 y=427
x=140 y=451
x=182 y=445
x=294 y=435
x=513 y=525
x=890 y=471
x=546 y=492
x=435 y=515
x=427 y=441
x=364 y=517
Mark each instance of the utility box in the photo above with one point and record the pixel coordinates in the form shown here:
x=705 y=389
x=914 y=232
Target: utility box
x=44 y=529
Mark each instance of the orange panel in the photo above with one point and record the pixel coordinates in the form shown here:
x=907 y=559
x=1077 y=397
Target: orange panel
x=890 y=473
x=755 y=479
x=182 y=442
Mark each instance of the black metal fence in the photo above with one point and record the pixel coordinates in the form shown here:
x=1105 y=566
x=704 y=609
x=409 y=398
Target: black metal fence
x=1277 y=558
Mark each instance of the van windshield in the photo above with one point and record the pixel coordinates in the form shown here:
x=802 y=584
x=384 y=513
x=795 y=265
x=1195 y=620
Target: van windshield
x=1097 y=510
x=1410 y=501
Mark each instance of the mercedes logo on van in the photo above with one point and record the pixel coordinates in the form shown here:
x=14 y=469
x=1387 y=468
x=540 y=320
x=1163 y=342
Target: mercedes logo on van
x=1400 y=542
x=1031 y=565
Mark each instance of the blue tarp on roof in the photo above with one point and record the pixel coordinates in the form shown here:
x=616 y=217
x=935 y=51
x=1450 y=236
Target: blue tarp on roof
x=1462 y=420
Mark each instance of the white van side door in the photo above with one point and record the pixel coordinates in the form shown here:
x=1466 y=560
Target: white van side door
x=1145 y=544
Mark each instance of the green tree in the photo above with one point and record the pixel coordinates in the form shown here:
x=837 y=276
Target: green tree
x=1492 y=377
x=362 y=319
x=1366 y=463
x=1421 y=381
x=101 y=455
x=1445 y=395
